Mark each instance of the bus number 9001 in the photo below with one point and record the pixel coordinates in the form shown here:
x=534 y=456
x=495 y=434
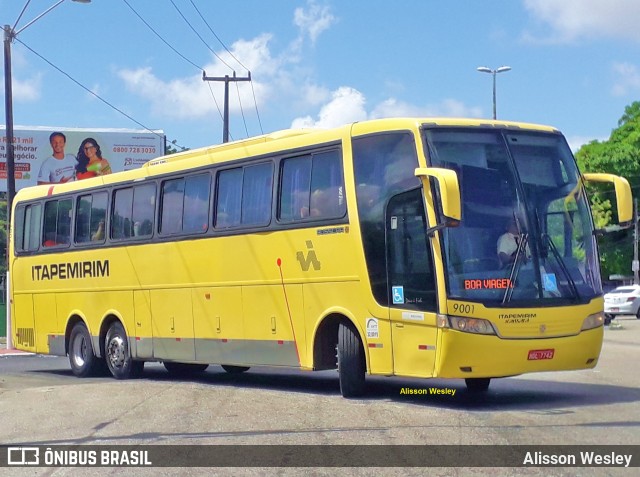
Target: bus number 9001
x=462 y=308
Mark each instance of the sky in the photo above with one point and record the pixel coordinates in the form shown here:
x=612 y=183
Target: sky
x=138 y=64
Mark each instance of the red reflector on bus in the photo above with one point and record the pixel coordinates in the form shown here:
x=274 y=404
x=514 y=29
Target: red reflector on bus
x=422 y=346
x=536 y=354
x=280 y=342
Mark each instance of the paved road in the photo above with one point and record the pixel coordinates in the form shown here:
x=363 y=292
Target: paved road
x=43 y=404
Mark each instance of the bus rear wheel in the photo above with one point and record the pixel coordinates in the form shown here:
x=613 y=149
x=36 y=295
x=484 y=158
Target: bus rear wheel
x=118 y=355
x=82 y=359
x=234 y=369
x=477 y=385
x=351 y=361
x=184 y=369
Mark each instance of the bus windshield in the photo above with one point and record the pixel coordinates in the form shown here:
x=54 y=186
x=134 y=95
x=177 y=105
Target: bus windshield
x=526 y=232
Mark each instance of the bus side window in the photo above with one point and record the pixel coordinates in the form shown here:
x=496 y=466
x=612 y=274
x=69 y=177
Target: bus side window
x=256 y=194
x=228 y=198
x=196 y=203
x=294 y=188
x=57 y=222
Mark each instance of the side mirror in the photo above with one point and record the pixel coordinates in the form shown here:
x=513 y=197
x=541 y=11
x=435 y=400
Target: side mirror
x=623 y=193
x=449 y=190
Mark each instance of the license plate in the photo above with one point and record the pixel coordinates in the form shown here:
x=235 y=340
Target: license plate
x=536 y=354
x=615 y=309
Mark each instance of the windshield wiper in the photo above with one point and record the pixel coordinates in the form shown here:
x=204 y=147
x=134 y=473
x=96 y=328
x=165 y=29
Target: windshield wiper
x=563 y=267
x=515 y=268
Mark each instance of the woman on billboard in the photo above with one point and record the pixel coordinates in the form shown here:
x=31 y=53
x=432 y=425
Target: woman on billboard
x=90 y=160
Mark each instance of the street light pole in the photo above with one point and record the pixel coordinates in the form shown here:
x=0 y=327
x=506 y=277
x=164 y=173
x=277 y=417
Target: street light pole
x=9 y=34
x=8 y=109
x=484 y=69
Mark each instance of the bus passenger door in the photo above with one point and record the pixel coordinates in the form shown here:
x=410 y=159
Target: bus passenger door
x=412 y=288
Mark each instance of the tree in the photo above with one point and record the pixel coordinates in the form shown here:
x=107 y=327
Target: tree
x=620 y=155
x=171 y=147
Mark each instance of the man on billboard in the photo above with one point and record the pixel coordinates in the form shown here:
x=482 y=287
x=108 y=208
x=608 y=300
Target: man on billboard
x=59 y=167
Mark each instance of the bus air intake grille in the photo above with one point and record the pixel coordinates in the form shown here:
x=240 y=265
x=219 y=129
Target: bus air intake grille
x=26 y=337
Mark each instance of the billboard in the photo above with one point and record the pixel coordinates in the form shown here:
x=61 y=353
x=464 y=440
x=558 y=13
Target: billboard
x=39 y=160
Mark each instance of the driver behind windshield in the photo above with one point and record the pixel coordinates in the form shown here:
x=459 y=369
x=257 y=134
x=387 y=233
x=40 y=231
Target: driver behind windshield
x=508 y=244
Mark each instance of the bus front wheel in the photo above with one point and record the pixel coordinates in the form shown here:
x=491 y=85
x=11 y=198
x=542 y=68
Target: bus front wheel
x=477 y=385
x=118 y=355
x=351 y=361
x=82 y=359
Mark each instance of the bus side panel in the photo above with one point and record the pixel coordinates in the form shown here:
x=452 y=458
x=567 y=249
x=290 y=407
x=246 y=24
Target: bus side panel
x=323 y=299
x=46 y=320
x=23 y=322
x=143 y=335
x=267 y=329
x=172 y=325
x=217 y=323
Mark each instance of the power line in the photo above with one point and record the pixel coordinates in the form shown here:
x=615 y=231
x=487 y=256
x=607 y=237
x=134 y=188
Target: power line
x=91 y=92
x=217 y=37
x=256 y=103
x=216 y=102
x=161 y=38
x=200 y=37
x=242 y=110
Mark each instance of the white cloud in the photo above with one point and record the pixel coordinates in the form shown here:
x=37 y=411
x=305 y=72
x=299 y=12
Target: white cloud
x=313 y=20
x=26 y=90
x=628 y=79
x=346 y=106
x=190 y=97
x=573 y=19
x=392 y=108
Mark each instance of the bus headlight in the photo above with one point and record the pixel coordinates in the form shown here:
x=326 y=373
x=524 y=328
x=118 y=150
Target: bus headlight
x=593 y=321
x=468 y=325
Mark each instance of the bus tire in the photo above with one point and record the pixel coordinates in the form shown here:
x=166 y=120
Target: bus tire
x=477 y=385
x=118 y=355
x=234 y=369
x=351 y=361
x=82 y=359
x=184 y=369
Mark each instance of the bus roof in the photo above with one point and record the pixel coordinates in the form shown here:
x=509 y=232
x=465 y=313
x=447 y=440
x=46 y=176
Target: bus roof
x=264 y=144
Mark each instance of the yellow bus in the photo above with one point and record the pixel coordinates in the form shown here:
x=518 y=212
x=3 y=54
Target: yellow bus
x=377 y=247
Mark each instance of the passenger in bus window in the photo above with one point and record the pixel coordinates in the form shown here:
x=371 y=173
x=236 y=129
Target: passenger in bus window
x=90 y=160
x=99 y=233
x=50 y=239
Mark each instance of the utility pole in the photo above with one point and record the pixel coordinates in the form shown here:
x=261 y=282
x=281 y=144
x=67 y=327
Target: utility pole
x=227 y=79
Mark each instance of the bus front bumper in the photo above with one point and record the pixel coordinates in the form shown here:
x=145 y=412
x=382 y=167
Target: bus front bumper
x=467 y=355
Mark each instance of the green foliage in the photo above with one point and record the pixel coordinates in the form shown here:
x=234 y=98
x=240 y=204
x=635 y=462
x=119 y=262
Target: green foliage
x=619 y=155
x=172 y=147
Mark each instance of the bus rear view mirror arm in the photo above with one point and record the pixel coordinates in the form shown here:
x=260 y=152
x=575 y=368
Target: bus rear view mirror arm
x=449 y=193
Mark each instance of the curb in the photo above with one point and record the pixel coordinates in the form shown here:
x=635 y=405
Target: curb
x=10 y=352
